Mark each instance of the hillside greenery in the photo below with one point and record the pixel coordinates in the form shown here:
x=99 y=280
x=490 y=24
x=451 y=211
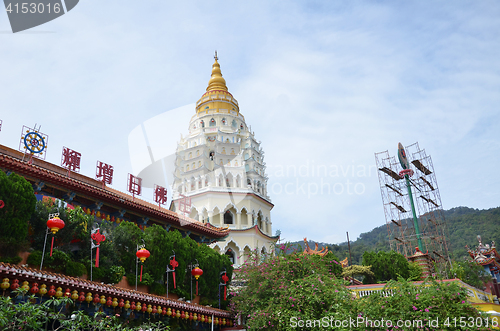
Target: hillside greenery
x=464 y=224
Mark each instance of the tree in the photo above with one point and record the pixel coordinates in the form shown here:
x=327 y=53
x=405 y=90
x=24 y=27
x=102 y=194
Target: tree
x=284 y=291
x=470 y=273
x=385 y=266
x=430 y=306
x=19 y=203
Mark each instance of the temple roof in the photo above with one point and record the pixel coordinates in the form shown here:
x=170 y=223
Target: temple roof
x=93 y=190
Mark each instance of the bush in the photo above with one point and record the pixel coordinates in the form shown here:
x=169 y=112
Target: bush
x=115 y=274
x=35 y=259
x=12 y=260
x=158 y=289
x=147 y=279
x=431 y=301
x=75 y=269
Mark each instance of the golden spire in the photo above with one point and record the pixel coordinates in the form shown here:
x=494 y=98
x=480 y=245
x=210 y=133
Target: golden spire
x=216 y=82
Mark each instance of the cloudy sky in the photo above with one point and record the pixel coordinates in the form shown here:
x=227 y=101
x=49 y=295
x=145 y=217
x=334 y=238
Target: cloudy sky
x=323 y=84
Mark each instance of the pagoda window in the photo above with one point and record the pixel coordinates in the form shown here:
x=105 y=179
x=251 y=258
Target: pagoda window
x=247 y=168
x=206 y=181
x=249 y=182
x=223 y=150
x=233 y=124
x=202 y=124
x=187 y=167
x=242 y=127
x=199 y=164
x=199 y=183
x=228 y=217
x=192 y=185
x=232 y=151
x=190 y=155
x=194 y=165
x=238 y=179
x=212 y=122
x=198 y=153
x=224 y=122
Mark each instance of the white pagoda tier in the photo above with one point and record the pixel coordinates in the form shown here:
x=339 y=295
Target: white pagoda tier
x=220 y=174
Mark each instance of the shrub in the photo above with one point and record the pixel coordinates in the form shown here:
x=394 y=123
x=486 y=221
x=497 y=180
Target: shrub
x=430 y=302
x=75 y=269
x=115 y=274
x=12 y=260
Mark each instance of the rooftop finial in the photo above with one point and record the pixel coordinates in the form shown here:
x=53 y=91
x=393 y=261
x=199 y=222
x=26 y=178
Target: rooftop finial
x=216 y=82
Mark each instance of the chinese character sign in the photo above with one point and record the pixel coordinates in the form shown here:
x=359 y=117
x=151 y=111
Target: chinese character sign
x=185 y=205
x=104 y=172
x=71 y=159
x=134 y=184
x=160 y=195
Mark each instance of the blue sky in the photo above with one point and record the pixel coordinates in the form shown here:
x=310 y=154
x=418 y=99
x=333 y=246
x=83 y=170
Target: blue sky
x=323 y=85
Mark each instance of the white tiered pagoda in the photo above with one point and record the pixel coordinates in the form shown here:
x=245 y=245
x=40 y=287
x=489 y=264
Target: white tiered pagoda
x=220 y=168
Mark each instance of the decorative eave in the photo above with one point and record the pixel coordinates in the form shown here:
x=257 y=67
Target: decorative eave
x=58 y=280
x=88 y=187
x=258 y=231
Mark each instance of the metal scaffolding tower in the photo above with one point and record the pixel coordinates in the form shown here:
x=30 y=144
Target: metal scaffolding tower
x=397 y=201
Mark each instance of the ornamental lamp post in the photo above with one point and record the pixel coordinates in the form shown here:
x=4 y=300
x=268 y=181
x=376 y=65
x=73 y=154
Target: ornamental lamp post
x=54 y=224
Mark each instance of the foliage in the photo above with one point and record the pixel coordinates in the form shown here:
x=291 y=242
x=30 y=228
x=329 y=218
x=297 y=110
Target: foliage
x=470 y=273
x=357 y=270
x=20 y=314
x=415 y=271
x=116 y=274
x=385 y=266
x=125 y=238
x=38 y=223
x=432 y=301
x=463 y=223
x=75 y=269
x=12 y=260
x=284 y=288
x=19 y=199
x=58 y=261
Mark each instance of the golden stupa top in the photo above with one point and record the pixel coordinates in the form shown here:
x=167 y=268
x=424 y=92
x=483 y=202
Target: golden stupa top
x=216 y=82
x=217 y=97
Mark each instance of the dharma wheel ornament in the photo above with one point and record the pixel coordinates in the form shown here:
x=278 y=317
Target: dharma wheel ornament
x=196 y=272
x=142 y=254
x=54 y=224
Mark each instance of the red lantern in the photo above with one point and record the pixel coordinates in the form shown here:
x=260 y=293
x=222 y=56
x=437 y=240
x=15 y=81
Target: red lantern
x=142 y=254
x=196 y=272
x=34 y=289
x=54 y=224
x=132 y=306
x=52 y=290
x=67 y=294
x=81 y=298
x=109 y=302
x=121 y=303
